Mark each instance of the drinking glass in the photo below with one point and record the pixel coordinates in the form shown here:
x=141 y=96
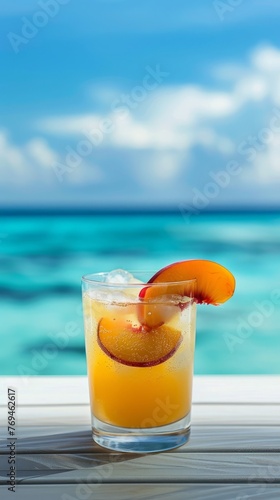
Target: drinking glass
x=140 y=340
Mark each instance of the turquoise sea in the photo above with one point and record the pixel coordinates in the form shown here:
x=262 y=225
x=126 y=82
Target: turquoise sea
x=42 y=258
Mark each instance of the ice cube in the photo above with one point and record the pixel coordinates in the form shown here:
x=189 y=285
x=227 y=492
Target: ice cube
x=119 y=277
x=117 y=291
x=123 y=278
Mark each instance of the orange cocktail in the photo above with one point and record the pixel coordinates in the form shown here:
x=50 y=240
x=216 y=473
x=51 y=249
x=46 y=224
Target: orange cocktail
x=140 y=376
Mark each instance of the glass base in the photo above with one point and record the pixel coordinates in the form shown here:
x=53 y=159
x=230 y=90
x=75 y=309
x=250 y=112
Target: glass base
x=148 y=440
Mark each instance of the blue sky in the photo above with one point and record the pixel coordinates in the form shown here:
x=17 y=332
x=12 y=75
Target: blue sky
x=140 y=103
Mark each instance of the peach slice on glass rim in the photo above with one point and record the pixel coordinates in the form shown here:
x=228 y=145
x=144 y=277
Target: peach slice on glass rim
x=134 y=345
x=214 y=285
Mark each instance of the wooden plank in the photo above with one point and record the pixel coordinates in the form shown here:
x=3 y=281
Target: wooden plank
x=37 y=431
x=202 y=414
x=63 y=415
x=236 y=414
x=236 y=389
x=203 y=439
x=44 y=390
x=79 y=491
x=158 y=468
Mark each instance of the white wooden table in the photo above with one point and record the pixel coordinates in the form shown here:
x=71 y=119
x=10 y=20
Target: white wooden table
x=233 y=453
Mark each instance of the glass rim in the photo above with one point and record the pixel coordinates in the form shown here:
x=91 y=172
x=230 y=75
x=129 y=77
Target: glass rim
x=89 y=279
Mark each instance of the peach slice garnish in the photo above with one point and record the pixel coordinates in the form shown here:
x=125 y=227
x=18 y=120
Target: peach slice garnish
x=214 y=285
x=133 y=345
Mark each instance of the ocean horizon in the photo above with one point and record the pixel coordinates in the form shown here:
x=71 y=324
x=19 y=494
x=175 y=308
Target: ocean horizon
x=141 y=210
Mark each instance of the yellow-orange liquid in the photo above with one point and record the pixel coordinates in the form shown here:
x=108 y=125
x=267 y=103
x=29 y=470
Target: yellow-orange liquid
x=139 y=397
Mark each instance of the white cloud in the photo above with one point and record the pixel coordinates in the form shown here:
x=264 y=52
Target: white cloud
x=69 y=125
x=266 y=59
x=258 y=80
x=40 y=152
x=12 y=160
x=250 y=88
x=33 y=164
x=28 y=164
x=266 y=168
x=174 y=122
x=190 y=104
